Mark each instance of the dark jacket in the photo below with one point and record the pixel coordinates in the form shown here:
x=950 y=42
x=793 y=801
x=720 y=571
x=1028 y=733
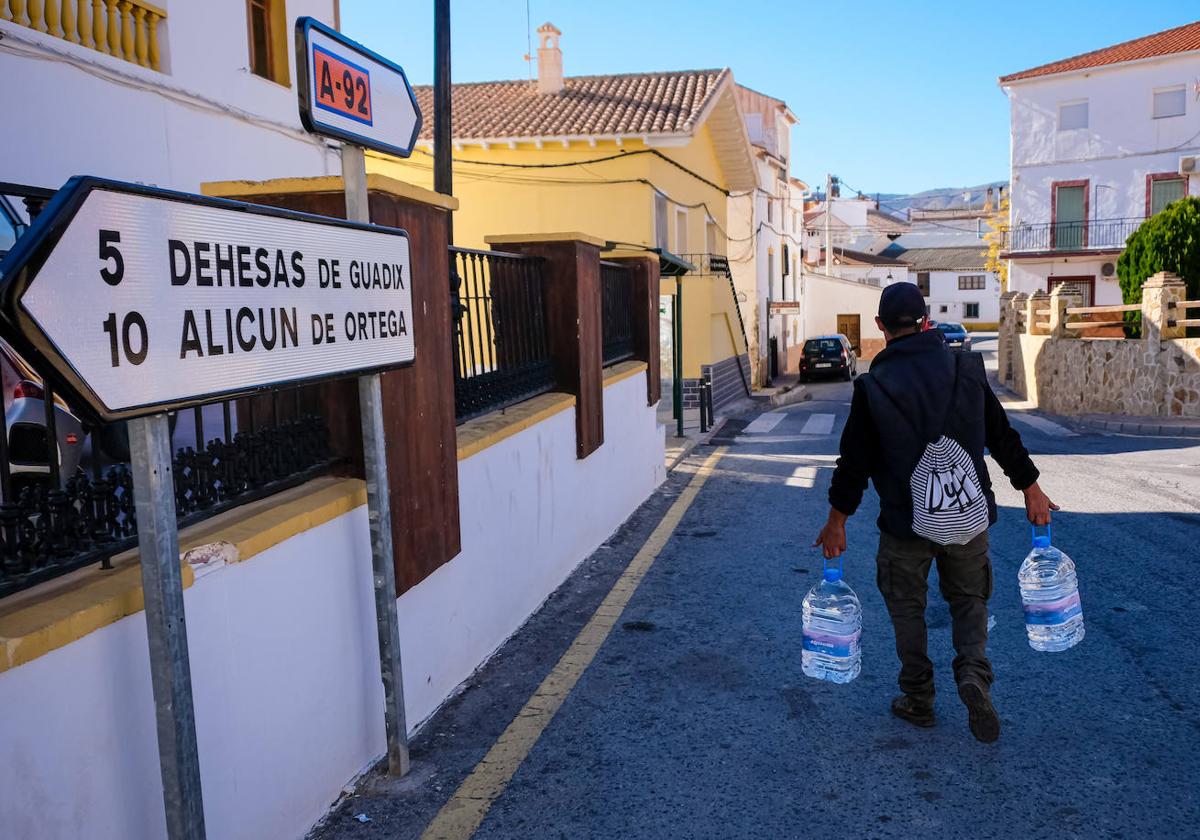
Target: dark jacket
x=894 y=417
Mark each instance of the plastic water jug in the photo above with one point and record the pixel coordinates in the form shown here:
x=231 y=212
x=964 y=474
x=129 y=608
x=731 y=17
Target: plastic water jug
x=1050 y=594
x=832 y=628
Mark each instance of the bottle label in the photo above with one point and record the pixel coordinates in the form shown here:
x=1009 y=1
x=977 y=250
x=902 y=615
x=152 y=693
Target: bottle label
x=830 y=645
x=1054 y=612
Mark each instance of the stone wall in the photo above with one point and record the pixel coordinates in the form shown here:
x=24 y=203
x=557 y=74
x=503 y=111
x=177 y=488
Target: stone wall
x=1042 y=358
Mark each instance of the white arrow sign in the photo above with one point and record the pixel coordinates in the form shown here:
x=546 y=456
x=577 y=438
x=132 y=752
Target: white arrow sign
x=352 y=93
x=143 y=299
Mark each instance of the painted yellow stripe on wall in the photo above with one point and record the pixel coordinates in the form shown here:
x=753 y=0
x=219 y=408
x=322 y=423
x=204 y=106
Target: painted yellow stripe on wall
x=459 y=817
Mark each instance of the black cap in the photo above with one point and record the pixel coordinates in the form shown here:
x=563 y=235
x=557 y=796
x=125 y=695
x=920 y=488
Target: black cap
x=902 y=305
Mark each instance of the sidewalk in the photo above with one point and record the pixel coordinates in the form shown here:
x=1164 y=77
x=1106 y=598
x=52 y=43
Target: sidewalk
x=785 y=391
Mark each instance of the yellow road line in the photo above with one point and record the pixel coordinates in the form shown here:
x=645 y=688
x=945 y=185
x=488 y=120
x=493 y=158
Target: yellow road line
x=460 y=816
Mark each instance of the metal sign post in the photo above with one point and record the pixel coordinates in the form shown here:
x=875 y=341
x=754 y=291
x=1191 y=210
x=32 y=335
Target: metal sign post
x=379 y=515
x=162 y=588
x=353 y=94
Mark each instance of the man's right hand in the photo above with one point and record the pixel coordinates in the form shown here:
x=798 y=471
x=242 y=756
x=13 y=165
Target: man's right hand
x=1038 y=505
x=832 y=538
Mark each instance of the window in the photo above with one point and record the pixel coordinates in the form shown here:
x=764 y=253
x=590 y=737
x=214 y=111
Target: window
x=1170 y=102
x=770 y=209
x=970 y=310
x=1069 y=203
x=923 y=282
x=1161 y=190
x=267 y=33
x=972 y=282
x=1072 y=115
x=770 y=274
x=710 y=236
x=681 y=231
x=660 y=222
x=943 y=309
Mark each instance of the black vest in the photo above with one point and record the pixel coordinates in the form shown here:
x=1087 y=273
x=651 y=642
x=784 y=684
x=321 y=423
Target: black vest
x=909 y=391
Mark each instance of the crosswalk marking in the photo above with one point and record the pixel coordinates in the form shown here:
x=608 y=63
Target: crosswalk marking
x=818 y=424
x=765 y=423
x=1046 y=427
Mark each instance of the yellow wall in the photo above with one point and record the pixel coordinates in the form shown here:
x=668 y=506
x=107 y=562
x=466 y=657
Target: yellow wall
x=496 y=200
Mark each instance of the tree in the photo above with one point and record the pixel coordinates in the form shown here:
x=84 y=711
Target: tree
x=998 y=224
x=1168 y=241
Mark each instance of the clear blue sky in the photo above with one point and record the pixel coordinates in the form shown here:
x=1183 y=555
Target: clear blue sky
x=895 y=96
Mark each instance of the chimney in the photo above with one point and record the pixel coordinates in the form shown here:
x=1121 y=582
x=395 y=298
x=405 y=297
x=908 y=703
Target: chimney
x=550 y=72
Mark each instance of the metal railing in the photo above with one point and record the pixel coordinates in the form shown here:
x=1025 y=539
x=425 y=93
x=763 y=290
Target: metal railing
x=1097 y=234
x=63 y=510
x=66 y=488
x=616 y=312
x=125 y=29
x=501 y=352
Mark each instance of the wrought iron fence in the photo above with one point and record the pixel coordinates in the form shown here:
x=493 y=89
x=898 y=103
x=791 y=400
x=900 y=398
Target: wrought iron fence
x=54 y=521
x=501 y=352
x=66 y=489
x=616 y=311
x=1097 y=234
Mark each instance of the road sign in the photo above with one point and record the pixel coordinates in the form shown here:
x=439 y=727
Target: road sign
x=351 y=93
x=141 y=300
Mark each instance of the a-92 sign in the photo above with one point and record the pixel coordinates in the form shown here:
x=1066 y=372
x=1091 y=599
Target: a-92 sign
x=342 y=87
x=351 y=93
x=140 y=299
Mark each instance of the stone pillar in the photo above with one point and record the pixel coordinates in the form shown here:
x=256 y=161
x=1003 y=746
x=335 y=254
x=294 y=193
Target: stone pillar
x=1158 y=293
x=571 y=290
x=1036 y=301
x=1063 y=297
x=646 y=282
x=1006 y=336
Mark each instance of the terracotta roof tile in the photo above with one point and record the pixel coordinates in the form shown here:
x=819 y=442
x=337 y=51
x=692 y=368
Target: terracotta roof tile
x=630 y=104
x=1180 y=39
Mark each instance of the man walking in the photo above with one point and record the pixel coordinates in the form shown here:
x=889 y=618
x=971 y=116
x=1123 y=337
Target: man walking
x=918 y=426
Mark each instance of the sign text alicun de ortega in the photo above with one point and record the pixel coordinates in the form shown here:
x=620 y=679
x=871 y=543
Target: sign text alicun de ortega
x=148 y=299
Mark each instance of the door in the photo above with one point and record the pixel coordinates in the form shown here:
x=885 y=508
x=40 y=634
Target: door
x=1085 y=286
x=849 y=326
x=1070 y=217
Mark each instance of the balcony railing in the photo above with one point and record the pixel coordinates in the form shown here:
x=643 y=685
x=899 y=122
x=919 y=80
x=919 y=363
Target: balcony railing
x=1094 y=235
x=125 y=29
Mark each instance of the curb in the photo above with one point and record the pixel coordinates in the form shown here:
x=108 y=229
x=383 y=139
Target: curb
x=795 y=395
x=1144 y=428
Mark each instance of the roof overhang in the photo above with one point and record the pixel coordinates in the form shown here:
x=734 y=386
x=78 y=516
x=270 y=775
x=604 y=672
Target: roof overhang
x=731 y=143
x=1008 y=81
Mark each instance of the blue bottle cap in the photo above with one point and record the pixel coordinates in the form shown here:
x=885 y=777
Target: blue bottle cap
x=833 y=573
x=1041 y=541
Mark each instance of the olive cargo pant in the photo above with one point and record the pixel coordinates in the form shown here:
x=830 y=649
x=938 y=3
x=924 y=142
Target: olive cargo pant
x=965 y=578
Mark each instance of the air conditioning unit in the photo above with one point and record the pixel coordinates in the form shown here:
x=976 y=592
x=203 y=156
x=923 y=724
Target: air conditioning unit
x=1189 y=165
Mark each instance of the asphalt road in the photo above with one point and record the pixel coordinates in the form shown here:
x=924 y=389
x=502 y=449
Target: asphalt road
x=694 y=719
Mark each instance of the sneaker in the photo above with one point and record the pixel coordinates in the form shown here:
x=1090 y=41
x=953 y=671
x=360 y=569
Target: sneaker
x=916 y=712
x=985 y=723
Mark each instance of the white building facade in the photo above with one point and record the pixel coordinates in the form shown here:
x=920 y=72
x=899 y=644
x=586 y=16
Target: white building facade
x=956 y=286
x=766 y=262
x=201 y=92
x=1100 y=142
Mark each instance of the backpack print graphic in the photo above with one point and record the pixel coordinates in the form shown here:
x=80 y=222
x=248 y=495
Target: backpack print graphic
x=949 y=508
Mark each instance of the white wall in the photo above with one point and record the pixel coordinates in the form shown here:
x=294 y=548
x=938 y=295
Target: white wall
x=826 y=297
x=206 y=118
x=283 y=651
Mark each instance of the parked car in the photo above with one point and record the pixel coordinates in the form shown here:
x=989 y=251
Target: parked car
x=828 y=356
x=955 y=336
x=25 y=421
